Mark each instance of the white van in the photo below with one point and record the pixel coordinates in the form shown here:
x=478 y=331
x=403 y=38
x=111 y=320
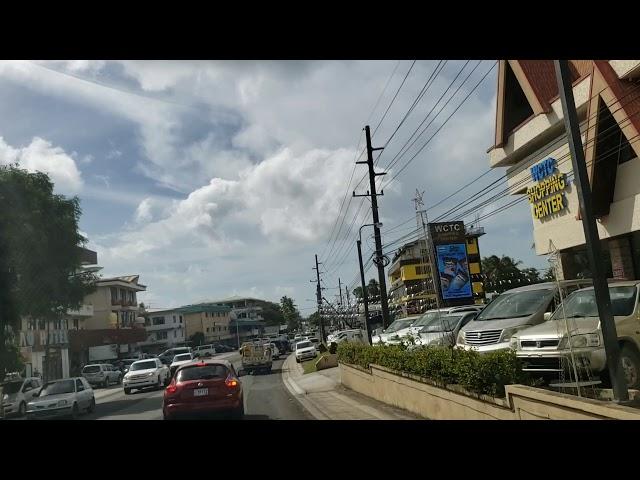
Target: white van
x=204 y=351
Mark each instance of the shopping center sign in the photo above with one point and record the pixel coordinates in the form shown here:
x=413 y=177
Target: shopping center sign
x=547 y=195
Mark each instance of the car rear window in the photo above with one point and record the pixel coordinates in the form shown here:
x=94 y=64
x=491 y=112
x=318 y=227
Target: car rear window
x=206 y=372
x=91 y=369
x=11 y=387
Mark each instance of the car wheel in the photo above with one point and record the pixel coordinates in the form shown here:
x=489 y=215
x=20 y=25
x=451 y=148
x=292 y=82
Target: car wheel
x=238 y=414
x=630 y=367
x=74 y=411
x=92 y=405
x=127 y=391
x=22 y=409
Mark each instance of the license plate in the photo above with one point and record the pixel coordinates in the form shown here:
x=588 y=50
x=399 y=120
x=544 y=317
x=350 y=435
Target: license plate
x=200 y=392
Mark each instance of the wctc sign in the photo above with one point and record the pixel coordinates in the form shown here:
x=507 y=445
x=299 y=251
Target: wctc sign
x=547 y=196
x=447 y=232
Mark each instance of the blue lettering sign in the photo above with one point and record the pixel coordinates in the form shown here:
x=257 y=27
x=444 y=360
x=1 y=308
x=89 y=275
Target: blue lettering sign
x=543 y=169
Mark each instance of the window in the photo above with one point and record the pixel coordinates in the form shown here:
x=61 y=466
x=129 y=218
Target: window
x=114 y=295
x=79 y=385
x=180 y=318
x=123 y=294
x=175 y=334
x=174 y=319
x=158 y=320
x=76 y=323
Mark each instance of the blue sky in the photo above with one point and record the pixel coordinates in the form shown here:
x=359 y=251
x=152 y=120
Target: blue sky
x=211 y=179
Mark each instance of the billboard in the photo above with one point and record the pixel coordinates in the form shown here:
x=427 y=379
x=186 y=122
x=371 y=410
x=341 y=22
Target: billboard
x=450 y=248
x=454 y=271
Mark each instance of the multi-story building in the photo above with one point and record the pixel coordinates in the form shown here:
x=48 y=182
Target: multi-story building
x=165 y=329
x=530 y=143
x=411 y=285
x=212 y=320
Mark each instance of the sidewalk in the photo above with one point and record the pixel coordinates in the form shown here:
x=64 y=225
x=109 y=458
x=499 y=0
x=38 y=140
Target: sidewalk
x=324 y=397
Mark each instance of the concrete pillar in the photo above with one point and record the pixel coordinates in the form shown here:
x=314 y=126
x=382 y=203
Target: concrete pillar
x=621 y=260
x=64 y=353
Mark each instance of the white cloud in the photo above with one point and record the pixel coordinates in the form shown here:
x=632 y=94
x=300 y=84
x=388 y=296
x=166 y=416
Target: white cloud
x=115 y=153
x=40 y=155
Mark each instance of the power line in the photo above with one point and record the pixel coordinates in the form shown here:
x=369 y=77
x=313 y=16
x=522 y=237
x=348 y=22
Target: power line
x=394 y=97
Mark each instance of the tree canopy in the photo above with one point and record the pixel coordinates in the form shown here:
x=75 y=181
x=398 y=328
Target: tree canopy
x=290 y=313
x=504 y=273
x=40 y=253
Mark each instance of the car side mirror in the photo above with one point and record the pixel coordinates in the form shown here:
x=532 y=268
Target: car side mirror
x=547 y=316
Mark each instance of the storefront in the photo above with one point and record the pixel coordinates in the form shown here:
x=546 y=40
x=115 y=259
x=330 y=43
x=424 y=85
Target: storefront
x=531 y=144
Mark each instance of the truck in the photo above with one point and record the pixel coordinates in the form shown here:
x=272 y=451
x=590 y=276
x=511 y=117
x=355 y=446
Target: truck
x=256 y=357
x=103 y=353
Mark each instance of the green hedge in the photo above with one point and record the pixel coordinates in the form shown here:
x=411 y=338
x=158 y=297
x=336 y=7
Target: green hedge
x=481 y=374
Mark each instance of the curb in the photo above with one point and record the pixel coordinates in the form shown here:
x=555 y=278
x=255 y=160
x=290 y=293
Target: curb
x=300 y=394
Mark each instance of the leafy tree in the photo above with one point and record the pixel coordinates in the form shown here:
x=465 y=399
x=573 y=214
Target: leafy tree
x=197 y=338
x=272 y=314
x=372 y=290
x=40 y=270
x=314 y=319
x=504 y=273
x=290 y=313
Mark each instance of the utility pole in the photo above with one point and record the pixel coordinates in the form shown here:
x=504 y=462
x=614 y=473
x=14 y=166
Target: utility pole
x=380 y=260
x=428 y=245
x=340 y=290
x=364 y=292
x=594 y=249
x=319 y=300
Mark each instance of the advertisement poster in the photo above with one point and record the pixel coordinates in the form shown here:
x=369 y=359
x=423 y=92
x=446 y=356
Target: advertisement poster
x=454 y=271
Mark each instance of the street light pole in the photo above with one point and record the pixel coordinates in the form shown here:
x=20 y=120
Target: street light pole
x=364 y=286
x=592 y=239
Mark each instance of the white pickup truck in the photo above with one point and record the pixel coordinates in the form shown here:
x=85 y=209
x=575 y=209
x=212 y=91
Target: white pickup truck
x=146 y=373
x=256 y=357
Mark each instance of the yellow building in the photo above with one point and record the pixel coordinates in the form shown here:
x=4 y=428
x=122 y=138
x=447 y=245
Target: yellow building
x=212 y=320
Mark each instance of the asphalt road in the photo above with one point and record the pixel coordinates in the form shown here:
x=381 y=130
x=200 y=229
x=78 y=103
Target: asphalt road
x=265 y=398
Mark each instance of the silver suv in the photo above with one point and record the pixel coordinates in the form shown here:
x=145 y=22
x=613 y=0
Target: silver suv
x=101 y=374
x=512 y=311
x=572 y=336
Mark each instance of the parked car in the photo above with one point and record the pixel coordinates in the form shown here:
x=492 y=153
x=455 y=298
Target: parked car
x=16 y=394
x=399 y=324
x=203 y=351
x=442 y=330
x=315 y=341
x=102 y=374
x=305 y=350
x=201 y=387
x=146 y=373
x=166 y=357
x=179 y=360
x=410 y=332
x=62 y=398
x=512 y=311
x=547 y=348
x=352 y=335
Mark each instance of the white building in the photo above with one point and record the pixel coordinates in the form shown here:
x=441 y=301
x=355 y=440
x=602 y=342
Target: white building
x=165 y=329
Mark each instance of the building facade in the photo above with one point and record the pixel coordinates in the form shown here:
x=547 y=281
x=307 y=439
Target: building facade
x=411 y=285
x=165 y=329
x=531 y=145
x=211 y=320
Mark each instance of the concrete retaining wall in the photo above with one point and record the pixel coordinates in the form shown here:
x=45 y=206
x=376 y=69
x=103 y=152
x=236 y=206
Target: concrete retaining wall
x=416 y=395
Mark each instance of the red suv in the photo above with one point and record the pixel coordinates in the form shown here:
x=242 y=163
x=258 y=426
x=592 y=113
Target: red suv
x=203 y=387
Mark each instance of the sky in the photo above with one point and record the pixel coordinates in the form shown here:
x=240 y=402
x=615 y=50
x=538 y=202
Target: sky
x=217 y=178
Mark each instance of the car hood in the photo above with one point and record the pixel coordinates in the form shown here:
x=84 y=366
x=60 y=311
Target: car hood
x=51 y=399
x=558 y=328
x=482 y=325
x=306 y=349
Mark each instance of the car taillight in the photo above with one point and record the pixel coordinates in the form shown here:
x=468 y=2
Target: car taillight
x=172 y=388
x=231 y=381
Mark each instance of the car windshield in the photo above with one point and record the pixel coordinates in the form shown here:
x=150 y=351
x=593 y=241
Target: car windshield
x=303 y=345
x=400 y=324
x=206 y=372
x=181 y=357
x=582 y=304
x=428 y=318
x=446 y=323
x=91 y=369
x=143 y=365
x=514 y=305
x=56 y=388
x=11 y=387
